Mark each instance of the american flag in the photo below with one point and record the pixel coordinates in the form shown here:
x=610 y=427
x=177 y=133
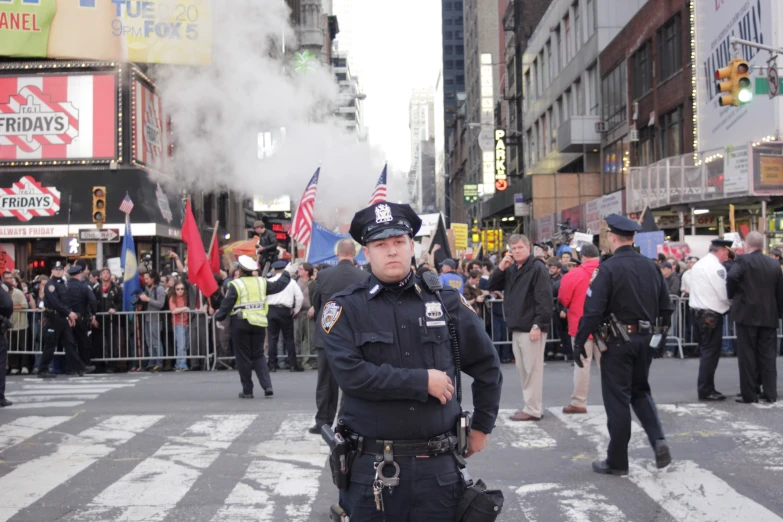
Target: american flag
x=127 y=204
x=302 y=225
x=379 y=194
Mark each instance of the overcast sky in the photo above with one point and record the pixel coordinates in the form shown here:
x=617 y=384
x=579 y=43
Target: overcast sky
x=398 y=47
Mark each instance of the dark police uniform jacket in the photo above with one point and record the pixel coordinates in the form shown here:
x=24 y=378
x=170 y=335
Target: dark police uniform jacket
x=629 y=285
x=56 y=298
x=380 y=344
x=330 y=281
x=755 y=287
x=81 y=298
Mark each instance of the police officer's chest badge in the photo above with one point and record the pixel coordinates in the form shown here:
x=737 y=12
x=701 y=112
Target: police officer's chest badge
x=383 y=214
x=330 y=315
x=433 y=310
x=51 y=288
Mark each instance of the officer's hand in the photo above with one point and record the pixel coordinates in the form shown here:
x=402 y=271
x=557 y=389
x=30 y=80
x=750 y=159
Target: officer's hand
x=220 y=326
x=94 y=323
x=562 y=315
x=579 y=352
x=439 y=386
x=72 y=316
x=476 y=442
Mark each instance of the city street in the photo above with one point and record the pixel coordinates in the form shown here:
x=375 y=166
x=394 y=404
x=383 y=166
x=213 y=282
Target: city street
x=179 y=447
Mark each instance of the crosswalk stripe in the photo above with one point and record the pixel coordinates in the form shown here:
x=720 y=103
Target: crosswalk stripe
x=158 y=483
x=42 y=405
x=23 y=428
x=32 y=480
x=60 y=393
x=684 y=489
x=76 y=386
x=522 y=435
x=281 y=476
x=29 y=399
x=577 y=503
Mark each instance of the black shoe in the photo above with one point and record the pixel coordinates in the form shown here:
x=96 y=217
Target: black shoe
x=272 y=369
x=600 y=466
x=663 y=456
x=89 y=369
x=714 y=396
x=269 y=393
x=47 y=375
x=767 y=399
x=315 y=430
x=296 y=369
x=245 y=395
x=5 y=402
x=743 y=401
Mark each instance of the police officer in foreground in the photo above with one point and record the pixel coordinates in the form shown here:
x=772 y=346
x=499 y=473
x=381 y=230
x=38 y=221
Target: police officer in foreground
x=82 y=301
x=628 y=291
x=59 y=319
x=388 y=345
x=246 y=302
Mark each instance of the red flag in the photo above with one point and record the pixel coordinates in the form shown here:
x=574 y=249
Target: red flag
x=214 y=256
x=199 y=272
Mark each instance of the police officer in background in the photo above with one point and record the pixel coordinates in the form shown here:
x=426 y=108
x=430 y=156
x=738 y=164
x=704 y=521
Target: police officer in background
x=388 y=345
x=631 y=287
x=82 y=301
x=6 y=309
x=709 y=301
x=58 y=322
x=246 y=302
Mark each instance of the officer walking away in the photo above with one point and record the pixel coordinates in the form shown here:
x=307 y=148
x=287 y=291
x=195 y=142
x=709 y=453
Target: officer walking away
x=709 y=301
x=6 y=310
x=283 y=306
x=59 y=319
x=755 y=287
x=266 y=248
x=246 y=303
x=629 y=291
x=327 y=283
x=82 y=301
x=388 y=344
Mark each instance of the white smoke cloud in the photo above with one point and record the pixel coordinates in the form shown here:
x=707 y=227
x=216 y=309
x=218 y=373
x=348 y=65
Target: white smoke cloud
x=219 y=110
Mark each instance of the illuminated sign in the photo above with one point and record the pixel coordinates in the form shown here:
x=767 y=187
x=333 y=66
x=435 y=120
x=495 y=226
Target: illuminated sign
x=27 y=199
x=487 y=119
x=470 y=192
x=278 y=204
x=501 y=180
x=281 y=231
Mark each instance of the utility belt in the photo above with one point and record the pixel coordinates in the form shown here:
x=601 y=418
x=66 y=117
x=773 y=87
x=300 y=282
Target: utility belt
x=436 y=446
x=704 y=312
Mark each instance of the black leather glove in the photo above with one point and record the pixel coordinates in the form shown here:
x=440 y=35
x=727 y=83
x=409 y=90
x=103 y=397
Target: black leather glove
x=579 y=352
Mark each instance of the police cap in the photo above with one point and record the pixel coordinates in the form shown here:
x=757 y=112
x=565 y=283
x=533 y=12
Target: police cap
x=279 y=265
x=75 y=270
x=722 y=243
x=384 y=220
x=622 y=226
x=58 y=266
x=247 y=263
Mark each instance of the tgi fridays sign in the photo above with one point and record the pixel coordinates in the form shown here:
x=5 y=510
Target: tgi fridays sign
x=58 y=117
x=28 y=199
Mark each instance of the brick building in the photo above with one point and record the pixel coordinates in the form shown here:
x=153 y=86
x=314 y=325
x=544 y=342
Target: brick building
x=646 y=86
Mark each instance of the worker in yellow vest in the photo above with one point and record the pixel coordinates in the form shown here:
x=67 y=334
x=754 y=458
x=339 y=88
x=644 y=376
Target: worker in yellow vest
x=246 y=303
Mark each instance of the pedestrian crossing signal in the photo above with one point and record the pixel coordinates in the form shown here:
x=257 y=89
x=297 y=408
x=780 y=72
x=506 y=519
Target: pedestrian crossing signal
x=734 y=79
x=99 y=206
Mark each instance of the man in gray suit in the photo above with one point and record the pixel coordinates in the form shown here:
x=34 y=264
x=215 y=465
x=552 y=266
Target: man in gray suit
x=327 y=283
x=755 y=287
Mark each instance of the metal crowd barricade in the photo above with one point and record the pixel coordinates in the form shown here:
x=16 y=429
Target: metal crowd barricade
x=488 y=311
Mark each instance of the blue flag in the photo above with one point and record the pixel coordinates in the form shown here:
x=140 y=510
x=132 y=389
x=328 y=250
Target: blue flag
x=132 y=285
x=323 y=247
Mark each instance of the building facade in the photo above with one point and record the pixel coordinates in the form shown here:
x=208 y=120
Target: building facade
x=421 y=121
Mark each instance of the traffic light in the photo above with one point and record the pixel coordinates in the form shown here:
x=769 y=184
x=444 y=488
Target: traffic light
x=99 y=206
x=734 y=79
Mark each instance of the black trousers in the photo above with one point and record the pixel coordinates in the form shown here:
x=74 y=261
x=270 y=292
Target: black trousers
x=248 y=342
x=280 y=321
x=429 y=491
x=3 y=360
x=625 y=368
x=326 y=392
x=81 y=336
x=756 y=347
x=710 y=327
x=56 y=330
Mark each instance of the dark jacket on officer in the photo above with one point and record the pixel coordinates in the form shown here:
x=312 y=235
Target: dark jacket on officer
x=81 y=298
x=381 y=339
x=6 y=303
x=527 y=294
x=56 y=298
x=330 y=281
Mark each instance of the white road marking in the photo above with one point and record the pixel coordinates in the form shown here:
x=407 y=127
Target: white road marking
x=767 y=405
x=685 y=490
x=63 y=393
x=158 y=483
x=51 y=404
x=43 y=398
x=296 y=462
x=79 y=386
x=23 y=428
x=578 y=504
x=32 y=480
x=522 y=435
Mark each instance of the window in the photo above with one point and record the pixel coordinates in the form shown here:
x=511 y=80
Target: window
x=579 y=105
x=552 y=131
x=671 y=142
x=614 y=166
x=577 y=26
x=669 y=48
x=448 y=49
x=342 y=77
x=614 y=96
x=645 y=148
x=460 y=78
x=641 y=70
x=460 y=50
x=527 y=93
x=567 y=42
x=595 y=97
x=590 y=9
x=448 y=34
x=550 y=67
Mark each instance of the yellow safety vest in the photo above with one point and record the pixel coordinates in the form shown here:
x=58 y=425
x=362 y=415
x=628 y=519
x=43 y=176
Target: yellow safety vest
x=251 y=304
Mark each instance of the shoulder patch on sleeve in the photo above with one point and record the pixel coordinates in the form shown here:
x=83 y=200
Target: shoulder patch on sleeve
x=595 y=274
x=50 y=288
x=466 y=303
x=722 y=273
x=330 y=315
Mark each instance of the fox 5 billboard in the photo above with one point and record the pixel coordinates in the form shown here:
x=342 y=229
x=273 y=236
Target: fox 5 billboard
x=716 y=22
